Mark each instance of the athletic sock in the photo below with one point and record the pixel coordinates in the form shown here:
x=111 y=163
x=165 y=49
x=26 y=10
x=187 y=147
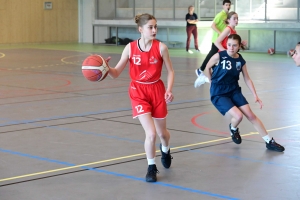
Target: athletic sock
x=151 y=161
x=165 y=149
x=232 y=128
x=267 y=138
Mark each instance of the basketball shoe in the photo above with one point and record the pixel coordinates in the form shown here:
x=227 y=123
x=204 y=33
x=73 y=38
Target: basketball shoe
x=151 y=173
x=198 y=72
x=166 y=158
x=201 y=78
x=273 y=146
x=235 y=135
x=190 y=51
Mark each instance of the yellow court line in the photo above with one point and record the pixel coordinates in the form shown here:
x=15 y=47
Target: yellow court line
x=2 y=55
x=103 y=161
x=72 y=167
x=210 y=141
x=64 y=58
x=131 y=156
x=275 y=129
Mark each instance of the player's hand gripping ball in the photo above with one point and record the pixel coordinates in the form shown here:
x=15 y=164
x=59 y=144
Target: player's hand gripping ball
x=95 y=68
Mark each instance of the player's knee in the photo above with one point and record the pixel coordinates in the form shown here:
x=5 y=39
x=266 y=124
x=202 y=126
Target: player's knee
x=252 y=117
x=239 y=117
x=163 y=134
x=151 y=136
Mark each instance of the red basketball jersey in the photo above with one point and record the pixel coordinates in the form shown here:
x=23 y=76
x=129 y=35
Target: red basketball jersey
x=224 y=42
x=145 y=67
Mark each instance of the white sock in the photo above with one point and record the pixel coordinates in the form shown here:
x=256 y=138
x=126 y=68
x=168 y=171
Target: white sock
x=232 y=128
x=165 y=149
x=151 y=161
x=267 y=138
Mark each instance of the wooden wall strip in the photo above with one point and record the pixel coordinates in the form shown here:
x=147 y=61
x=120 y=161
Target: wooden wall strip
x=26 y=21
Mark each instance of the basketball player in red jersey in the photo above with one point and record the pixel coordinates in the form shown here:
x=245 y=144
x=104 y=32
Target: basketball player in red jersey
x=147 y=92
x=231 y=21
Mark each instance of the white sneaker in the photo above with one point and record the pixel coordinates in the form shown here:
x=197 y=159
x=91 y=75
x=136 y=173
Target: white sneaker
x=206 y=79
x=200 y=80
x=190 y=51
x=198 y=72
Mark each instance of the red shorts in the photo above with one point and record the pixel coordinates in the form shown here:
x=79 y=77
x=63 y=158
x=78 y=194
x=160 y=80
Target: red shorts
x=148 y=98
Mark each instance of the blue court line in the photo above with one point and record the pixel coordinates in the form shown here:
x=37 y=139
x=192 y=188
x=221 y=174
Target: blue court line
x=63 y=117
x=118 y=174
x=15 y=122
x=245 y=159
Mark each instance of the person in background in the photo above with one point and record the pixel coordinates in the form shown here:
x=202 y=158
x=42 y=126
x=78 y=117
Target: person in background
x=231 y=21
x=296 y=54
x=218 y=26
x=191 y=28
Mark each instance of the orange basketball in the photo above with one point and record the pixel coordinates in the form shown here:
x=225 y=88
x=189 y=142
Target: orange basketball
x=271 y=51
x=95 y=68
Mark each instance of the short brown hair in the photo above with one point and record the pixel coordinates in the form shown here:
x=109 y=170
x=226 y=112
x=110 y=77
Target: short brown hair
x=142 y=19
x=226 y=1
x=229 y=15
x=238 y=38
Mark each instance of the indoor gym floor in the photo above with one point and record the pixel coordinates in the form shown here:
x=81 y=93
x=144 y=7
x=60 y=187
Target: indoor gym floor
x=63 y=137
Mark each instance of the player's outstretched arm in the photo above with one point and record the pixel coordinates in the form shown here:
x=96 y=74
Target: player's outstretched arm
x=117 y=70
x=212 y=62
x=221 y=37
x=167 y=61
x=250 y=85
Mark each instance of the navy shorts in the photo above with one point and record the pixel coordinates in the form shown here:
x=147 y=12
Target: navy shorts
x=225 y=102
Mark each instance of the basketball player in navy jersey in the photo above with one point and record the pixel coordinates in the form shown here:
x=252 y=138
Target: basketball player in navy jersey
x=147 y=92
x=223 y=69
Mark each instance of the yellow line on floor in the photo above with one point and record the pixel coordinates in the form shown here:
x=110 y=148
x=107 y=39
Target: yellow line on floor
x=131 y=156
x=64 y=58
x=275 y=129
x=72 y=167
x=109 y=160
x=210 y=141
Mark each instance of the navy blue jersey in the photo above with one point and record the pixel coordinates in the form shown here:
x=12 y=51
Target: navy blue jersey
x=225 y=75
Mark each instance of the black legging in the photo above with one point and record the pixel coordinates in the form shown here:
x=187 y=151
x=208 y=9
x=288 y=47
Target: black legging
x=212 y=52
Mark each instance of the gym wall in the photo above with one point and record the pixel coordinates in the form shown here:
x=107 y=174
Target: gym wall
x=26 y=21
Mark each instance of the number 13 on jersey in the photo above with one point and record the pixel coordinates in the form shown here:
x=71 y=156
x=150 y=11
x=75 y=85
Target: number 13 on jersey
x=226 y=64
